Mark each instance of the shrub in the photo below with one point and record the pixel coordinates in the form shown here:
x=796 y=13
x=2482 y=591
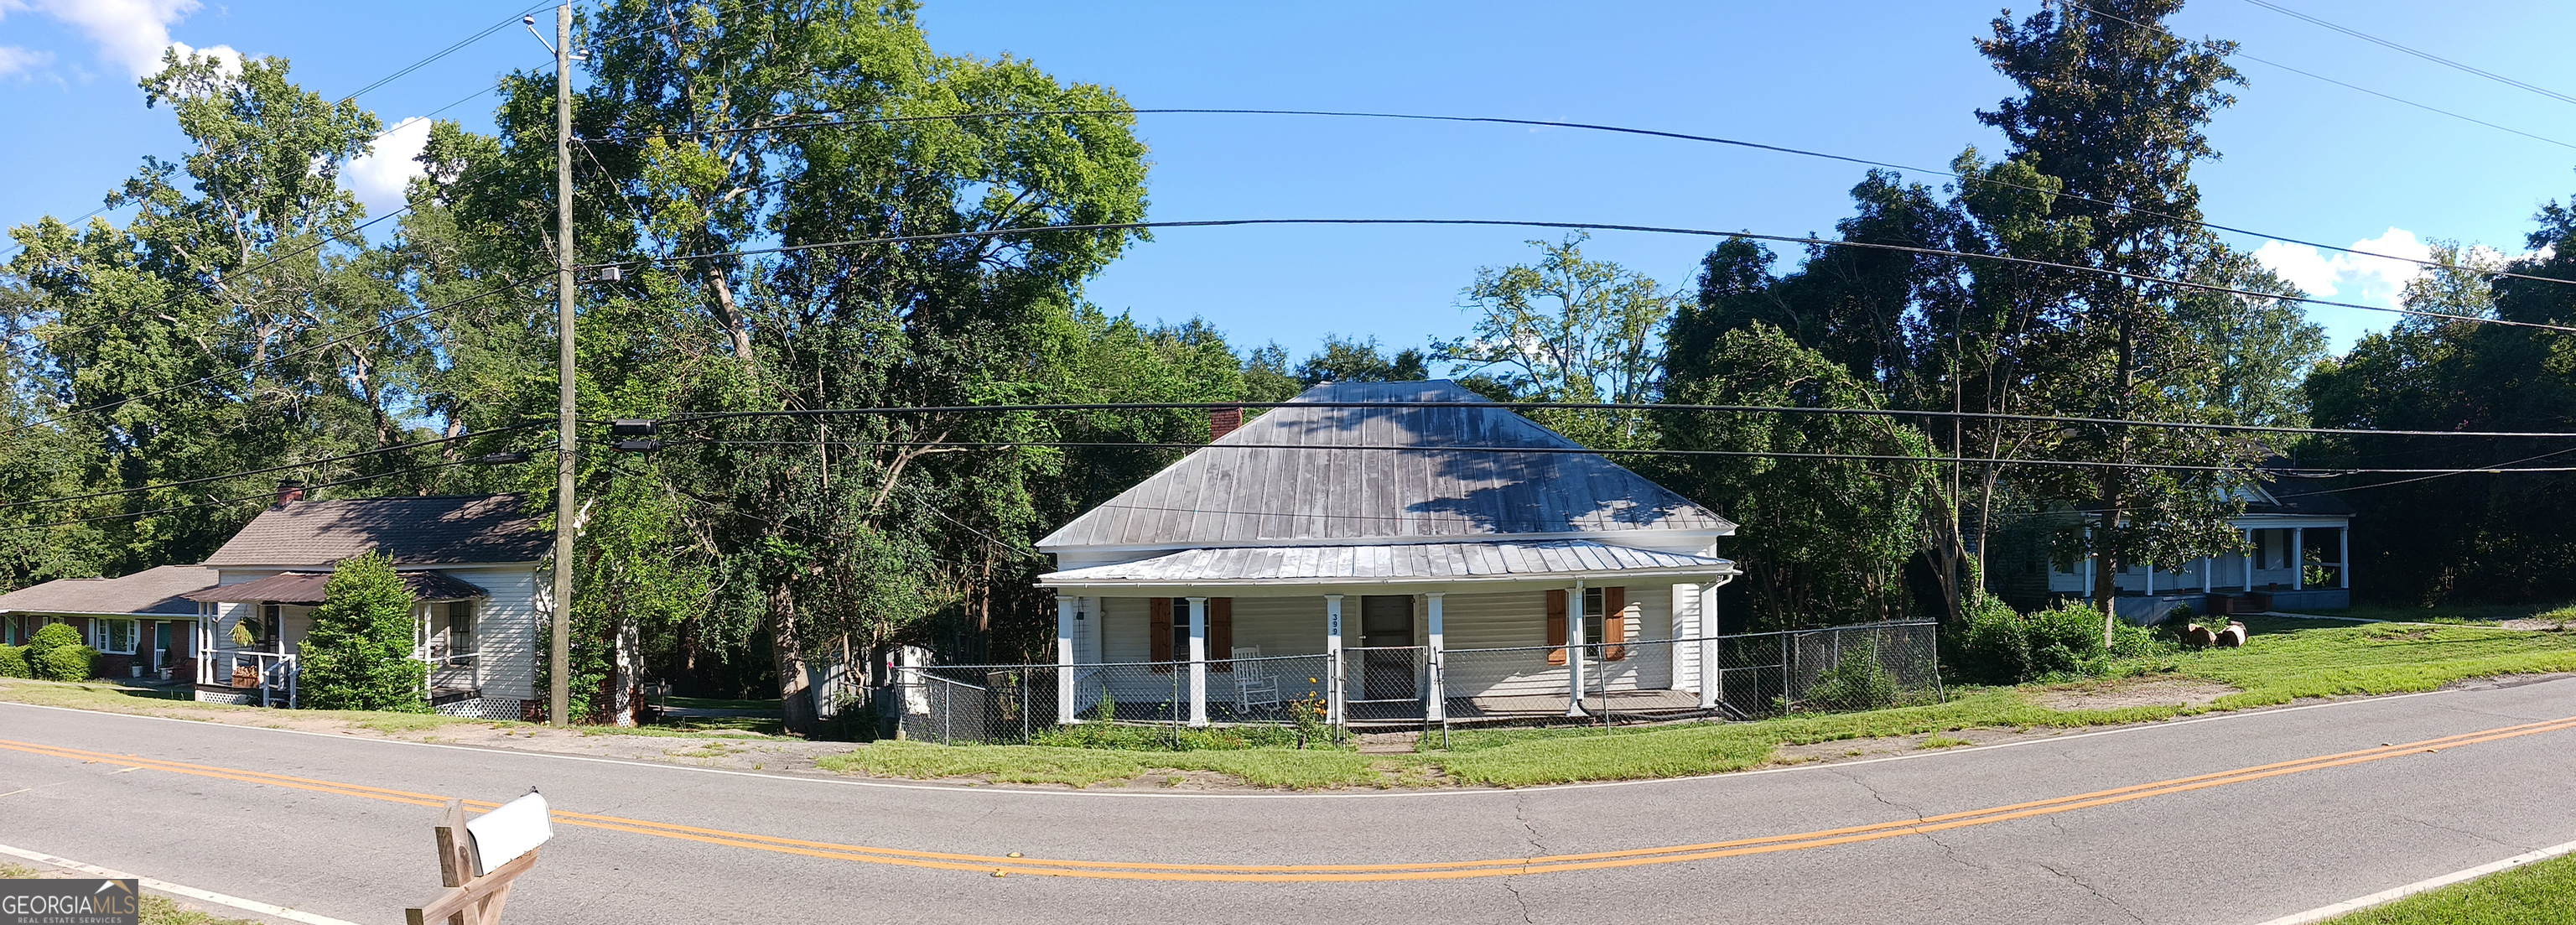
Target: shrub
x=358 y=656
x=13 y=662
x=2066 y=639
x=1857 y=682
x=68 y=663
x=1991 y=645
x=51 y=636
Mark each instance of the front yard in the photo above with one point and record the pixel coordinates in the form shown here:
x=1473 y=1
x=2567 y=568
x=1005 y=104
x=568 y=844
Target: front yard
x=2285 y=661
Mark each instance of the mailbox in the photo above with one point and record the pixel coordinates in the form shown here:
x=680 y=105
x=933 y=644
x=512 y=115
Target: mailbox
x=514 y=829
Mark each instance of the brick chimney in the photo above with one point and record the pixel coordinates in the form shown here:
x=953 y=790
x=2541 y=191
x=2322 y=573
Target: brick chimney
x=1223 y=421
x=290 y=490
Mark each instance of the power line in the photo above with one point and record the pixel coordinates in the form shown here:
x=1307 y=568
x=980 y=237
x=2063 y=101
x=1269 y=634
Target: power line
x=2240 y=53
x=263 y=496
x=1626 y=130
x=1579 y=450
x=1586 y=226
x=277 y=468
x=90 y=409
x=2428 y=56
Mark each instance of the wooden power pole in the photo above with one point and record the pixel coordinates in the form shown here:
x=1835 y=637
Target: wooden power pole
x=559 y=678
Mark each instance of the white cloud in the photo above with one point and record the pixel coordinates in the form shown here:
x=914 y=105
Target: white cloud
x=380 y=177
x=2376 y=280
x=227 y=61
x=14 y=60
x=130 y=33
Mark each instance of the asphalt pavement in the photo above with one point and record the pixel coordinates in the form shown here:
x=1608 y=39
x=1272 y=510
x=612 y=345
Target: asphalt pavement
x=2235 y=819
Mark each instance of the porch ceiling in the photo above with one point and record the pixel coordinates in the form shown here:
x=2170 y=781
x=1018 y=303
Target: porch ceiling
x=307 y=587
x=1416 y=562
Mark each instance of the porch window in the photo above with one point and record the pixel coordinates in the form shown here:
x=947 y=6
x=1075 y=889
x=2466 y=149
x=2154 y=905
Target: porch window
x=460 y=627
x=1603 y=637
x=1167 y=627
x=115 y=637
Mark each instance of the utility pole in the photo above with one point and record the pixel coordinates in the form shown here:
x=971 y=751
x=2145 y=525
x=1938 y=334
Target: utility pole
x=559 y=679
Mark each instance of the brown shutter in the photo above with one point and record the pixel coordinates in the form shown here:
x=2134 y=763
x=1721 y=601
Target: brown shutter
x=1614 y=624
x=1556 y=626
x=1221 y=632
x=1158 y=627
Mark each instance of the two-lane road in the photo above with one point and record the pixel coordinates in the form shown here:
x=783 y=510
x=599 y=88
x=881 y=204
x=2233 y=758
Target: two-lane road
x=2230 y=819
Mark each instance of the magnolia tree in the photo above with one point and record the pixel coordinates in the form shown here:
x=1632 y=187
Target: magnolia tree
x=358 y=656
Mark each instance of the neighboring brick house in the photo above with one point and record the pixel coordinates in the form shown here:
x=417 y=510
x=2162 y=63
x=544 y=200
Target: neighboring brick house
x=141 y=624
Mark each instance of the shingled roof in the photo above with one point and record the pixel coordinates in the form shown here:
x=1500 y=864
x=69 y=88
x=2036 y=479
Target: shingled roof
x=443 y=530
x=1462 y=468
x=151 y=591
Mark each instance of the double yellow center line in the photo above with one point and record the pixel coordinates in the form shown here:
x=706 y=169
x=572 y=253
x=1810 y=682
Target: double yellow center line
x=1428 y=870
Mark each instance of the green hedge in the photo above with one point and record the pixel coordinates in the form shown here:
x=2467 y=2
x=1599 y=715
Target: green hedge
x=1995 y=645
x=13 y=662
x=57 y=654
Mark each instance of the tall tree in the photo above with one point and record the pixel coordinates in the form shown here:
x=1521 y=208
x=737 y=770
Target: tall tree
x=1568 y=329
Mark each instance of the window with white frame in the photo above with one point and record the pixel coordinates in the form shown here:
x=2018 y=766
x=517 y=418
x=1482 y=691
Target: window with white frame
x=460 y=627
x=115 y=637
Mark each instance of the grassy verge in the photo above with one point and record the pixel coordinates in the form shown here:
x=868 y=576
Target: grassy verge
x=720 y=703
x=157 y=910
x=111 y=697
x=2450 y=613
x=2285 y=660
x=2539 y=892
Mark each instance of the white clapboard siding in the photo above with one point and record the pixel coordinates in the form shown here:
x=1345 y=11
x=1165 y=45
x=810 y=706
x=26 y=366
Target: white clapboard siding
x=505 y=628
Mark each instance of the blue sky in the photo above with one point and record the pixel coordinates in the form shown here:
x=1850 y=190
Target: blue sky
x=1884 y=80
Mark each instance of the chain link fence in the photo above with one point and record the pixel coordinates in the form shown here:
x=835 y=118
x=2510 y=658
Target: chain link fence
x=1861 y=667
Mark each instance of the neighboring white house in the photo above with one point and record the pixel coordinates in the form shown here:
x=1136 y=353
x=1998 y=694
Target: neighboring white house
x=471 y=562
x=2300 y=547
x=1379 y=527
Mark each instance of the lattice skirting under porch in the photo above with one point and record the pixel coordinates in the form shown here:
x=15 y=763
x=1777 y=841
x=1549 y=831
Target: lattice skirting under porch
x=493 y=708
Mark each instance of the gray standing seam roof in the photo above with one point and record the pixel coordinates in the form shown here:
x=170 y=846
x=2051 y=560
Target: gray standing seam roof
x=1405 y=562
x=443 y=530
x=151 y=591
x=1342 y=474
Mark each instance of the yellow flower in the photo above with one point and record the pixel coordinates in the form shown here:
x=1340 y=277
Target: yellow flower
x=1311 y=681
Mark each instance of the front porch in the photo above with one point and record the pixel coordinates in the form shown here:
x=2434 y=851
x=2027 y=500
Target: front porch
x=2290 y=563
x=251 y=635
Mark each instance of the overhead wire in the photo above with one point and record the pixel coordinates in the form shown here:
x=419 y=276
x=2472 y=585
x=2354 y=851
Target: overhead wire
x=282 y=467
x=1586 y=226
x=2428 y=56
x=218 y=502
x=1618 y=129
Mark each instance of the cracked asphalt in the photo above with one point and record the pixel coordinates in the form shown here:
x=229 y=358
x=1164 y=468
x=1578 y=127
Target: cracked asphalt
x=2239 y=852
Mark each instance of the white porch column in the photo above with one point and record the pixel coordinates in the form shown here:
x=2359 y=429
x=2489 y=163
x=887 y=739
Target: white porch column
x=2298 y=559
x=1574 y=651
x=2205 y=586
x=1709 y=677
x=2343 y=556
x=2251 y=551
x=1198 y=661
x=1065 y=657
x=1333 y=659
x=2151 y=579
x=1436 y=708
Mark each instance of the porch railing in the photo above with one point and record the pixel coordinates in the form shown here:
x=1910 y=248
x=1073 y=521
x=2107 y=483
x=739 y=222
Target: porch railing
x=272 y=674
x=1425 y=688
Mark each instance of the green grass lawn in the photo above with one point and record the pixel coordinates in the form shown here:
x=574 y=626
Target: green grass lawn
x=2285 y=660
x=2444 y=613
x=2544 y=891
x=109 y=696
x=719 y=703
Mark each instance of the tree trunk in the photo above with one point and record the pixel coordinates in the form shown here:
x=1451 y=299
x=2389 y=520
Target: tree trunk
x=622 y=673
x=730 y=313
x=787 y=655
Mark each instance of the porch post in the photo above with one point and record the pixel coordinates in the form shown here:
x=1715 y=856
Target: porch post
x=1574 y=652
x=2343 y=555
x=2298 y=559
x=1436 y=708
x=2205 y=586
x=2151 y=579
x=1709 y=678
x=1198 y=661
x=2251 y=551
x=1065 y=607
x=1333 y=659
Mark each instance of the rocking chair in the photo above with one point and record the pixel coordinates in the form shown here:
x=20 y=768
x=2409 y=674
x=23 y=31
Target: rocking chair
x=1252 y=685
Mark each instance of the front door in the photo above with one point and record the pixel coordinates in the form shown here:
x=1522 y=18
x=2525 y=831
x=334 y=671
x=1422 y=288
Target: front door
x=160 y=644
x=1386 y=631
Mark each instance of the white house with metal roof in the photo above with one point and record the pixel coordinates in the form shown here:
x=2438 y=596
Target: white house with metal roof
x=1375 y=531
x=471 y=562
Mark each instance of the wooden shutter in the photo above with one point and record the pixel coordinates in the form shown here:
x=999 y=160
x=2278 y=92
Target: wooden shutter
x=1221 y=632
x=1614 y=624
x=1158 y=628
x=1556 y=626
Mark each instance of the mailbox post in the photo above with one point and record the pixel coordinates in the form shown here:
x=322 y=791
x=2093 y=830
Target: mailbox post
x=478 y=859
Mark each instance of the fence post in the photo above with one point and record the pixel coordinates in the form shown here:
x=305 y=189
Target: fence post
x=1333 y=695
x=1436 y=707
x=1788 y=671
x=1067 y=613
